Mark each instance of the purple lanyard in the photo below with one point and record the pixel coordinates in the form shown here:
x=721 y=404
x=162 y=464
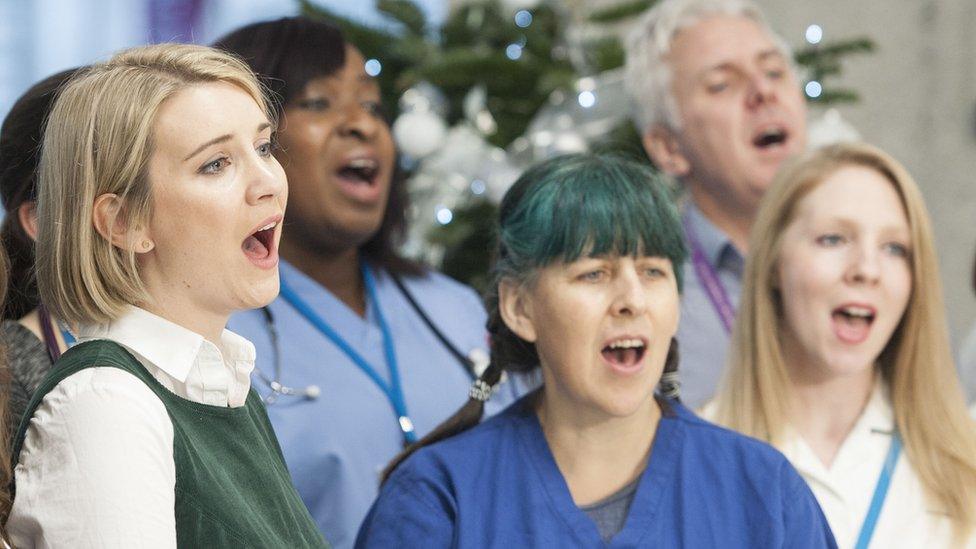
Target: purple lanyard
x=709 y=279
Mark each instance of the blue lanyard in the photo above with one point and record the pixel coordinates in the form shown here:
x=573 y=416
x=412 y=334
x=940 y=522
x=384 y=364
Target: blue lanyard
x=393 y=390
x=880 y=492
x=69 y=339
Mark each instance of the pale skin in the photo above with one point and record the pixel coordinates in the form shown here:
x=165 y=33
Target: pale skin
x=849 y=243
x=730 y=83
x=599 y=423
x=214 y=183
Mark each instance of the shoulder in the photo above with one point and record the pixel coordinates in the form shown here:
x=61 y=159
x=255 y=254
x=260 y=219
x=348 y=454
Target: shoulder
x=435 y=286
x=469 y=455
x=85 y=399
x=26 y=354
x=724 y=448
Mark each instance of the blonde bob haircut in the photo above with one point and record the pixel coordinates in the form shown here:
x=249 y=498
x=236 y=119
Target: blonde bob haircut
x=98 y=140
x=916 y=364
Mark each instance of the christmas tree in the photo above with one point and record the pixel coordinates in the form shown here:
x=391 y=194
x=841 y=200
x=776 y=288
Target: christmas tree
x=513 y=85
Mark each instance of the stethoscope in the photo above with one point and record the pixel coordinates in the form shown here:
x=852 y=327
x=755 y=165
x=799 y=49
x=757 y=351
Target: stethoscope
x=473 y=364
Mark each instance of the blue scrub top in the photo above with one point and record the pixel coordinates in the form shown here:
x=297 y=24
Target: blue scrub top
x=337 y=444
x=498 y=485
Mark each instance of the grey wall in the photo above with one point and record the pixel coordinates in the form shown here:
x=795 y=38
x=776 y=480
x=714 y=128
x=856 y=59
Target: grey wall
x=919 y=104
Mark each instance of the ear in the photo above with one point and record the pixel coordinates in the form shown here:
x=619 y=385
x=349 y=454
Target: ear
x=515 y=307
x=108 y=216
x=27 y=215
x=664 y=149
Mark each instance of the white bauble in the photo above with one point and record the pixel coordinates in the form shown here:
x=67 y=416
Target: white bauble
x=419 y=134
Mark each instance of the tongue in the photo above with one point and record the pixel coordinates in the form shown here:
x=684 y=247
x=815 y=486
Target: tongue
x=621 y=357
x=254 y=248
x=851 y=329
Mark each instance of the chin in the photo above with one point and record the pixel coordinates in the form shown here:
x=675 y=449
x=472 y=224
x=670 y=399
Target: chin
x=258 y=294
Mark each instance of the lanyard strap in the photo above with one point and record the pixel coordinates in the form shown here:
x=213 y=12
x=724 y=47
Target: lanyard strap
x=709 y=279
x=47 y=330
x=880 y=492
x=393 y=390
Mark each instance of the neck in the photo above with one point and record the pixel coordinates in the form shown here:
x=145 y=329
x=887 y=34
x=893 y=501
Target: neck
x=190 y=316
x=338 y=272
x=32 y=321
x=824 y=411
x=597 y=454
x=735 y=222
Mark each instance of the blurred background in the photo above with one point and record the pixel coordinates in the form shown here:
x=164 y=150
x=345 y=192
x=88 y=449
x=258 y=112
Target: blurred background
x=478 y=89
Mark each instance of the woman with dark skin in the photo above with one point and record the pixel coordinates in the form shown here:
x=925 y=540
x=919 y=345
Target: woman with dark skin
x=348 y=357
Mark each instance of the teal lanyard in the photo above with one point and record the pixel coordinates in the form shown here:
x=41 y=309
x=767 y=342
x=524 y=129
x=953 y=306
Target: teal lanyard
x=880 y=492
x=392 y=390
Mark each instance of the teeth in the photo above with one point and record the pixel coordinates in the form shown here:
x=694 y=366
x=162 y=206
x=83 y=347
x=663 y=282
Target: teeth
x=271 y=225
x=857 y=311
x=363 y=163
x=626 y=344
x=773 y=132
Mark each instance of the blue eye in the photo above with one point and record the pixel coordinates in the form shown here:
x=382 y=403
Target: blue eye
x=718 y=87
x=896 y=249
x=592 y=276
x=214 y=166
x=374 y=108
x=830 y=240
x=265 y=149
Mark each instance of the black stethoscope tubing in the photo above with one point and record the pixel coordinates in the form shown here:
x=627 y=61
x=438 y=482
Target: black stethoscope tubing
x=312 y=391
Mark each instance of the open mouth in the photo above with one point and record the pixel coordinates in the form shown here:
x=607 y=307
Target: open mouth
x=852 y=322
x=360 y=171
x=624 y=353
x=770 y=137
x=258 y=245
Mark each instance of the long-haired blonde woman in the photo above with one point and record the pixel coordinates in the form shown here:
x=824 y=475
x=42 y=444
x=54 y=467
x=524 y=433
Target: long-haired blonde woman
x=841 y=358
x=160 y=207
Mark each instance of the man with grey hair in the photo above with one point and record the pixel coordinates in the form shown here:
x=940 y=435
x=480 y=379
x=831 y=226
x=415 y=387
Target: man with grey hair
x=719 y=108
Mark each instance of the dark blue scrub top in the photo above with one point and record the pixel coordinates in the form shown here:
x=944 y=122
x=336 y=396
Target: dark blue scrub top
x=498 y=485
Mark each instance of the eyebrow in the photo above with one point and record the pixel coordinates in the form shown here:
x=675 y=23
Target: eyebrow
x=261 y=127
x=730 y=65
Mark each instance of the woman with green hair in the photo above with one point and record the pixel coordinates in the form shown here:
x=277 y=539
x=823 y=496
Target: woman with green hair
x=586 y=287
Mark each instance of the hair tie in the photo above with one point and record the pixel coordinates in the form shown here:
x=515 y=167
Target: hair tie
x=670 y=385
x=480 y=390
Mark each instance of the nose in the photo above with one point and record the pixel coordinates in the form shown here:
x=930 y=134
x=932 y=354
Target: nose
x=762 y=90
x=359 y=121
x=864 y=267
x=266 y=180
x=630 y=294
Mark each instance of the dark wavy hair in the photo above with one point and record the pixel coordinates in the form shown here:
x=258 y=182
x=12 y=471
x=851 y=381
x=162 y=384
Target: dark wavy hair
x=20 y=152
x=558 y=211
x=287 y=54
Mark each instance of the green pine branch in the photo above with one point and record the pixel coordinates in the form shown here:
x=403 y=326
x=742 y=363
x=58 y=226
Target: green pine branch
x=620 y=12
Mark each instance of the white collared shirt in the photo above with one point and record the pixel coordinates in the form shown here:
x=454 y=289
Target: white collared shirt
x=844 y=490
x=96 y=468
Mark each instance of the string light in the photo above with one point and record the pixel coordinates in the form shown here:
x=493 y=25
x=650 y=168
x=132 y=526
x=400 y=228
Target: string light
x=586 y=99
x=478 y=187
x=523 y=18
x=814 y=34
x=813 y=89
x=444 y=215
x=513 y=51
x=373 y=67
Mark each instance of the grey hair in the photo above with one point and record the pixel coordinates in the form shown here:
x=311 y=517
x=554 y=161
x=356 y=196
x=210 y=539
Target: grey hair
x=648 y=74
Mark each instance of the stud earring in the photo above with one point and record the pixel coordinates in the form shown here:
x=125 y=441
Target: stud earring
x=147 y=245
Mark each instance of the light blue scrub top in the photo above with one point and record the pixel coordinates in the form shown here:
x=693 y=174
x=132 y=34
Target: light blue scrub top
x=498 y=485
x=337 y=444
x=701 y=334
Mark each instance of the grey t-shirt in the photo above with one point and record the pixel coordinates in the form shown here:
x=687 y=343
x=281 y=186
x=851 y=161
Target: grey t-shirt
x=610 y=513
x=28 y=361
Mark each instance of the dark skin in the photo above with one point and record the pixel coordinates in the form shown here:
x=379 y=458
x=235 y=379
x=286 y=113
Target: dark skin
x=336 y=120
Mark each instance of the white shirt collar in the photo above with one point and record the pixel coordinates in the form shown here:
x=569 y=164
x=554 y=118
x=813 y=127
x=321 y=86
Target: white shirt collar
x=870 y=434
x=176 y=350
